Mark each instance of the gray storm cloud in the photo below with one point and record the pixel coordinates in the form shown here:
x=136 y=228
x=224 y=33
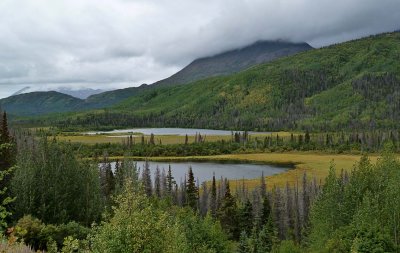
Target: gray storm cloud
x=118 y=43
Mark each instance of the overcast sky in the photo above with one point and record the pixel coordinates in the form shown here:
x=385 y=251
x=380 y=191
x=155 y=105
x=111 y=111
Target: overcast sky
x=112 y=44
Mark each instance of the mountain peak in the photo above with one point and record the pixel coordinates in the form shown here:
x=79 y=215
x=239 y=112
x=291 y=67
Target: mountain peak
x=235 y=60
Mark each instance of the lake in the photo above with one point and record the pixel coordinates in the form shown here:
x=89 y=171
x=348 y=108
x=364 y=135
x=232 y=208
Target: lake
x=169 y=131
x=203 y=171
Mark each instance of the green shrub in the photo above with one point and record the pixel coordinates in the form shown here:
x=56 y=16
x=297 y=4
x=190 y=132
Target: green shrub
x=39 y=236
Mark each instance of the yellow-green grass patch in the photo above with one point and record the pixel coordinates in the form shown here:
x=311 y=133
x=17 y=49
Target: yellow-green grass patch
x=163 y=139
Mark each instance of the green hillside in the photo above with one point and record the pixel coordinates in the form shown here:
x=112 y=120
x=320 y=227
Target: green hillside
x=109 y=98
x=36 y=103
x=345 y=86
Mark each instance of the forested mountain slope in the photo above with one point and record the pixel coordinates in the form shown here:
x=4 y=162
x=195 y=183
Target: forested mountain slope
x=112 y=97
x=234 y=61
x=350 y=85
x=36 y=103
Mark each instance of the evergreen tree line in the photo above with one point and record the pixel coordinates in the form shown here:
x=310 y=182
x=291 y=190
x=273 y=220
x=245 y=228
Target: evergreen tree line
x=244 y=143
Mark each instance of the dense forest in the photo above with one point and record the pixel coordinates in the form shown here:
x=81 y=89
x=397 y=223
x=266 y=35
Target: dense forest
x=352 y=85
x=55 y=201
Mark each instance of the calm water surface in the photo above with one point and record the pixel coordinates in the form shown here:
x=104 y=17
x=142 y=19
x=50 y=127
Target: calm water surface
x=168 y=131
x=203 y=171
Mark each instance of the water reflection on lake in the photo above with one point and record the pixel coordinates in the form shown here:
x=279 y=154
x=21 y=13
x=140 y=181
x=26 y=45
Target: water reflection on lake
x=168 y=131
x=203 y=171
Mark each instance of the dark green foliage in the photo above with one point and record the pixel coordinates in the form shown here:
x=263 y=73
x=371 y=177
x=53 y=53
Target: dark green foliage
x=243 y=246
x=51 y=184
x=38 y=235
x=146 y=179
x=107 y=181
x=4 y=132
x=213 y=199
x=287 y=247
x=157 y=183
x=267 y=237
x=228 y=214
x=191 y=191
x=266 y=214
x=170 y=181
x=245 y=217
x=7 y=160
x=202 y=234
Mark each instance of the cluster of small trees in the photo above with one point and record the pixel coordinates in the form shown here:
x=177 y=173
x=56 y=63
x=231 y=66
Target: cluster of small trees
x=359 y=212
x=257 y=217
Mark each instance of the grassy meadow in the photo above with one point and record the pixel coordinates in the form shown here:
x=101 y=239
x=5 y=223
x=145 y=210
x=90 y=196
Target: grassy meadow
x=137 y=138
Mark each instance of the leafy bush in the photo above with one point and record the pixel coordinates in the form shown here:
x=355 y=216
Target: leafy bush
x=38 y=235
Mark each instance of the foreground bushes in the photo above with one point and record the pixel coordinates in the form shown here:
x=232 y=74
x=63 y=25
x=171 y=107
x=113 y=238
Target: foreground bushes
x=139 y=225
x=40 y=236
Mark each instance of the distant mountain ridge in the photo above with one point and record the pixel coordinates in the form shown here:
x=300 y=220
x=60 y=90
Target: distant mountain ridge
x=37 y=103
x=40 y=102
x=233 y=61
x=80 y=93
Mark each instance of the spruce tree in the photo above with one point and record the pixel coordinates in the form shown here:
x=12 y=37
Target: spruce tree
x=110 y=180
x=170 y=181
x=152 y=141
x=213 y=199
x=163 y=183
x=266 y=237
x=146 y=179
x=246 y=217
x=307 y=137
x=7 y=157
x=186 y=139
x=157 y=182
x=7 y=160
x=4 y=132
x=191 y=190
x=263 y=186
x=204 y=199
x=266 y=211
x=243 y=246
x=227 y=214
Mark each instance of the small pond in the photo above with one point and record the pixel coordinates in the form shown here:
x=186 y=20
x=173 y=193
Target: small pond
x=168 y=131
x=203 y=171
